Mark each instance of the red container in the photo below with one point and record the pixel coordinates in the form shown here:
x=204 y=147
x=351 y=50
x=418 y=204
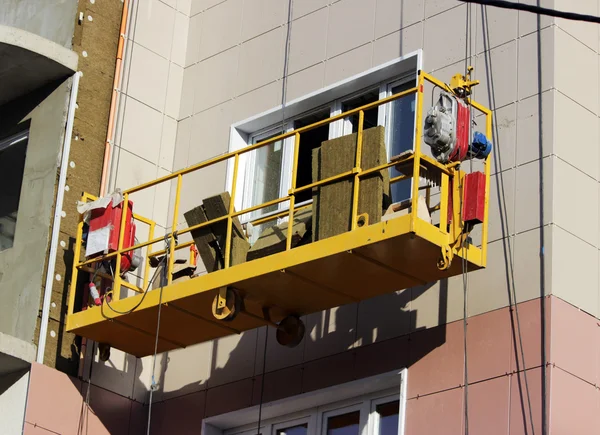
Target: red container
x=103 y=235
x=474 y=198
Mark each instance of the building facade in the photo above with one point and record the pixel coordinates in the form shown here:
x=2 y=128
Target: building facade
x=201 y=78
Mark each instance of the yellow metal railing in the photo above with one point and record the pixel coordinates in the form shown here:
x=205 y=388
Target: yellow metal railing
x=357 y=173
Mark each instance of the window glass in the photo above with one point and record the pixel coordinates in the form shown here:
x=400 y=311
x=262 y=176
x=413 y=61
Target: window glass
x=265 y=183
x=267 y=174
x=301 y=429
x=344 y=424
x=12 y=166
x=388 y=417
x=370 y=119
x=402 y=133
x=309 y=140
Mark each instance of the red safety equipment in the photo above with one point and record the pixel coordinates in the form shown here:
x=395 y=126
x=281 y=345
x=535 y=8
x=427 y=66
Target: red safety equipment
x=103 y=234
x=94 y=295
x=463 y=121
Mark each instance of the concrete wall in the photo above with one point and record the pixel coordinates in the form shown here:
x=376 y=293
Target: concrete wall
x=22 y=266
x=13 y=398
x=539 y=245
x=51 y=19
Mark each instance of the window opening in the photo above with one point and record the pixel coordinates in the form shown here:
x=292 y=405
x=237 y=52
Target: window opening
x=301 y=429
x=387 y=415
x=13 y=151
x=370 y=119
x=344 y=424
x=309 y=140
x=401 y=133
x=264 y=178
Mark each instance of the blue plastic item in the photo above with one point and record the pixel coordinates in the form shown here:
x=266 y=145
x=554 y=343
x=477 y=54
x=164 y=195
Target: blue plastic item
x=481 y=147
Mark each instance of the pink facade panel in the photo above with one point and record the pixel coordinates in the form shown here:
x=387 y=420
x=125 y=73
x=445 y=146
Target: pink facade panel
x=575 y=341
x=436 y=359
x=327 y=372
x=382 y=357
x=278 y=385
x=229 y=397
x=488 y=345
x=56 y=402
x=526 y=317
x=526 y=402
x=439 y=413
x=488 y=406
x=182 y=415
x=107 y=410
x=48 y=386
x=574 y=405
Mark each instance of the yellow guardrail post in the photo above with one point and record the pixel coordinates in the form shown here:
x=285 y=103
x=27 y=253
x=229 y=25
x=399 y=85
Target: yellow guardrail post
x=148 y=252
x=488 y=164
x=116 y=294
x=174 y=231
x=357 y=168
x=292 y=195
x=417 y=154
x=444 y=203
x=231 y=211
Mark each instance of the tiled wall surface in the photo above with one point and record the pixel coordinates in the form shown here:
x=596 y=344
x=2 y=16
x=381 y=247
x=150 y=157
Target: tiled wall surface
x=505 y=381
x=196 y=67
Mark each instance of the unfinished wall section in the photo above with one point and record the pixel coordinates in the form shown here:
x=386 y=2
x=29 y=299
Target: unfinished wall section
x=144 y=142
x=95 y=41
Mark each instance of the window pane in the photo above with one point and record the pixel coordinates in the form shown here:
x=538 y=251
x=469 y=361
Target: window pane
x=301 y=429
x=345 y=424
x=12 y=166
x=267 y=175
x=370 y=119
x=309 y=140
x=402 y=132
x=388 y=418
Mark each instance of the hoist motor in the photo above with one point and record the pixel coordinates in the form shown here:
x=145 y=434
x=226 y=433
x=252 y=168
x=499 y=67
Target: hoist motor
x=447 y=131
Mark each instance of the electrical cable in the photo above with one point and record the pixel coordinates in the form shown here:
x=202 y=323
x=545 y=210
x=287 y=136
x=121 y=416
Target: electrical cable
x=262 y=381
x=510 y=261
x=283 y=98
x=464 y=262
x=142 y=298
x=163 y=282
x=536 y=10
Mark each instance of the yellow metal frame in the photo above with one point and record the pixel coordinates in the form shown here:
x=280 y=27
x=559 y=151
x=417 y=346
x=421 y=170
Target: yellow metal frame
x=409 y=223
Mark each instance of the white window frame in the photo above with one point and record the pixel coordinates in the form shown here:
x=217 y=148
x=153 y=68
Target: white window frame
x=384 y=76
x=315 y=407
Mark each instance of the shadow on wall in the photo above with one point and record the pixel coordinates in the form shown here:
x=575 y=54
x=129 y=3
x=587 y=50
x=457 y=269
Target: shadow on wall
x=336 y=349
x=340 y=345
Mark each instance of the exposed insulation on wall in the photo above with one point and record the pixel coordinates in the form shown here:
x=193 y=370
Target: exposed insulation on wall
x=98 y=38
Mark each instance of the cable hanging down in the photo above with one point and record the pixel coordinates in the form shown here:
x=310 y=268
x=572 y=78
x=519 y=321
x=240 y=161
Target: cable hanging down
x=536 y=10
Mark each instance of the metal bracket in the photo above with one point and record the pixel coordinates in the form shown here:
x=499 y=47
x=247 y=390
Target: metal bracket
x=461 y=85
x=447 y=254
x=222 y=298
